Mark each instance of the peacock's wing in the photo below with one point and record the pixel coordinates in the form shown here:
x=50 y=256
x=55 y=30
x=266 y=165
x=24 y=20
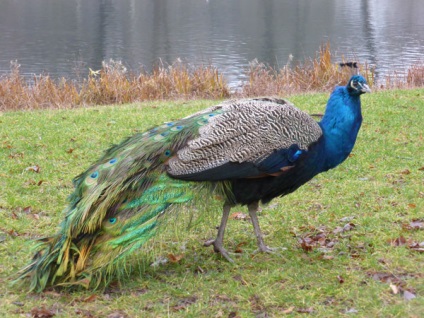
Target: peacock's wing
x=250 y=138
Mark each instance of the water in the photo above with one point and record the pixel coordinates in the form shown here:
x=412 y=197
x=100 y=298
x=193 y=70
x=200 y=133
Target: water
x=66 y=37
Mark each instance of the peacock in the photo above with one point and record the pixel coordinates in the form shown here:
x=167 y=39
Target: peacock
x=244 y=151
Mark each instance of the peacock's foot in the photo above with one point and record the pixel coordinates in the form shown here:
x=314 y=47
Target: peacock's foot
x=218 y=248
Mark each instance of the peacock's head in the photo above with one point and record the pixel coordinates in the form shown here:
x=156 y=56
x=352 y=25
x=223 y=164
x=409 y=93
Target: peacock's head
x=357 y=85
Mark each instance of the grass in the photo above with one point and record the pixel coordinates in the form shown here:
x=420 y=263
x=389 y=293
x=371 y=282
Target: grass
x=349 y=234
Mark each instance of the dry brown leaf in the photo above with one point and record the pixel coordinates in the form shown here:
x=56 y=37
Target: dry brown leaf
x=35 y=168
x=27 y=210
x=288 y=310
x=41 y=313
x=305 y=310
x=90 y=298
x=185 y=302
x=175 y=258
x=238 y=216
x=117 y=314
x=400 y=241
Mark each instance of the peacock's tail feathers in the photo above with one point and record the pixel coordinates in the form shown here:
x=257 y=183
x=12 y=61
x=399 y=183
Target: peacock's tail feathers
x=116 y=207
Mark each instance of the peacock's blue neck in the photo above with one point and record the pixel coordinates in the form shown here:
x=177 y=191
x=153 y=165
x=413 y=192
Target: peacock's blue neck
x=340 y=125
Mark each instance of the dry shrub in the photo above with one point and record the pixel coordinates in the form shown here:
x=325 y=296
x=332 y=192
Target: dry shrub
x=113 y=84
x=412 y=78
x=318 y=74
x=415 y=76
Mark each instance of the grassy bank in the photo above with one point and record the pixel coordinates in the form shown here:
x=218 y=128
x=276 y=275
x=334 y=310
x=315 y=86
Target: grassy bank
x=350 y=235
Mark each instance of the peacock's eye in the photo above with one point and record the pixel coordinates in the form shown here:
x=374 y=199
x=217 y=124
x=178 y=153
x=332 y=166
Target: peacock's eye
x=94 y=175
x=112 y=220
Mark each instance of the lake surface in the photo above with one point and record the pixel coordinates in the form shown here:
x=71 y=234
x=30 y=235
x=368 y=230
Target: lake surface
x=66 y=37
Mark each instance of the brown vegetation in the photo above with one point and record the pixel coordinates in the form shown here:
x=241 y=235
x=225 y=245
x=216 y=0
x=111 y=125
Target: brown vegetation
x=113 y=84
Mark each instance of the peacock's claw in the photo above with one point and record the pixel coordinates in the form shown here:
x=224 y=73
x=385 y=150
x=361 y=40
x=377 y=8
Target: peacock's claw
x=218 y=248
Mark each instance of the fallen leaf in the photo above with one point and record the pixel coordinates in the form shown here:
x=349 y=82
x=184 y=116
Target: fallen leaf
x=414 y=225
x=407 y=295
x=70 y=150
x=288 y=310
x=41 y=313
x=34 y=168
x=406 y=171
x=175 y=258
x=90 y=298
x=351 y=311
x=421 y=169
x=117 y=314
x=398 y=241
x=184 y=303
x=27 y=210
x=12 y=233
x=240 y=279
x=347 y=219
x=306 y=246
x=305 y=310
x=340 y=279
x=238 y=216
x=40 y=182
x=394 y=288
x=84 y=312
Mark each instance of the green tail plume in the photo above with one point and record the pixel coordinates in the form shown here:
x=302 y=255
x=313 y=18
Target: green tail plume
x=116 y=207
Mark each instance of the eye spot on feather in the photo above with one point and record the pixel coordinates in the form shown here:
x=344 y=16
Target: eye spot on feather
x=170 y=124
x=165 y=133
x=152 y=132
x=112 y=220
x=167 y=153
x=177 y=128
x=110 y=163
x=202 y=122
x=92 y=178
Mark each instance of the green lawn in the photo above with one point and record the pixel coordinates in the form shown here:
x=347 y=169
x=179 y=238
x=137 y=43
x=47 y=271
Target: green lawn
x=349 y=234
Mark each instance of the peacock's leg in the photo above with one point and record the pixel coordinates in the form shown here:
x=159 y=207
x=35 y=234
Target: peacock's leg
x=253 y=208
x=217 y=243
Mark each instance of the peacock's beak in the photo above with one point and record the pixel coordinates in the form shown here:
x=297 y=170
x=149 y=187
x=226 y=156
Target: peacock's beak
x=365 y=88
